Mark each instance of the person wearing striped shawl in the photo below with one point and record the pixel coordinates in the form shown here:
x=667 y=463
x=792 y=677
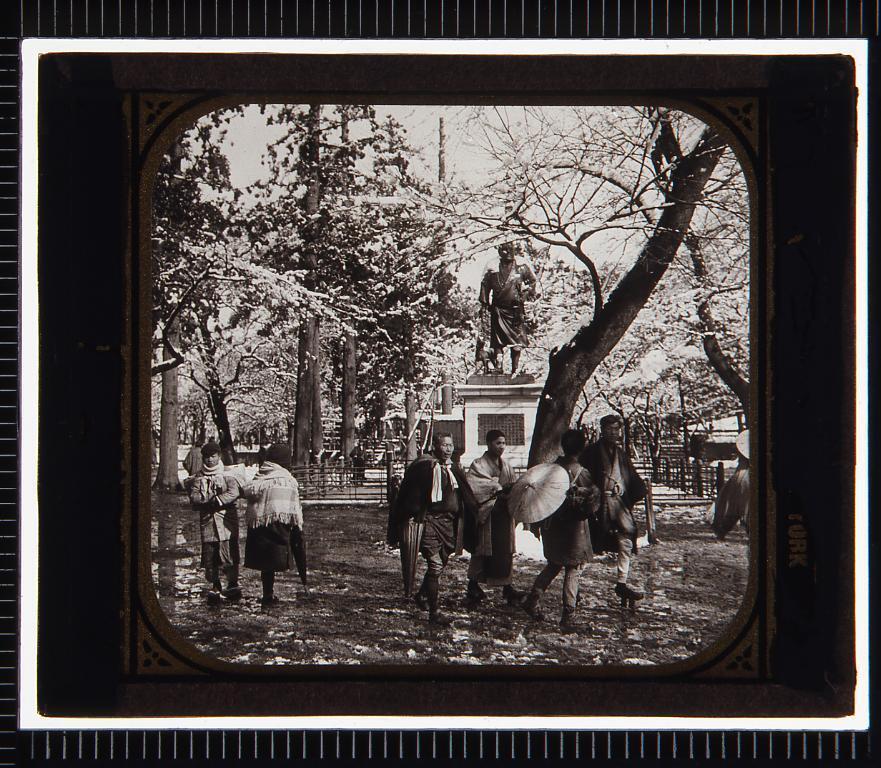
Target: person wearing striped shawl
x=273 y=511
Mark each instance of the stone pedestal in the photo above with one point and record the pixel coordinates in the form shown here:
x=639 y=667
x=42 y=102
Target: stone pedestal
x=499 y=401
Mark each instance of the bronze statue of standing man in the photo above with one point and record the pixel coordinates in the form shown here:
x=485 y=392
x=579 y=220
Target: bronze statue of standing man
x=502 y=292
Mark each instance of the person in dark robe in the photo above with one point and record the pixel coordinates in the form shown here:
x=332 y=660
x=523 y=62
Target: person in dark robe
x=273 y=511
x=565 y=535
x=502 y=293
x=492 y=542
x=622 y=488
x=436 y=492
x=359 y=461
x=732 y=503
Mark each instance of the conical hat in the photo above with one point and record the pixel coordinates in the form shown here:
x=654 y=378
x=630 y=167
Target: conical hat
x=742 y=444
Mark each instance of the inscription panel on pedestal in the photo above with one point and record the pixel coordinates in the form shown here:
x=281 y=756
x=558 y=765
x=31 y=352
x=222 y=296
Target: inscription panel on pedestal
x=512 y=424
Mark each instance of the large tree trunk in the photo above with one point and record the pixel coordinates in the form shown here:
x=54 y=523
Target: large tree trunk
x=720 y=362
x=573 y=364
x=166 y=475
x=308 y=350
x=303 y=412
x=350 y=368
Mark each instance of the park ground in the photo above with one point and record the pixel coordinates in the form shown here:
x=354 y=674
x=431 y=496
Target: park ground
x=355 y=612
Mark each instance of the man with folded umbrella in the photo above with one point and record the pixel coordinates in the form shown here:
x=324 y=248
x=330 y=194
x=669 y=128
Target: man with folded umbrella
x=622 y=488
x=565 y=534
x=434 y=491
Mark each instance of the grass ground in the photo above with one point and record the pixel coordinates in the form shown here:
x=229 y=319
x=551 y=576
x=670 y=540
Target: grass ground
x=356 y=613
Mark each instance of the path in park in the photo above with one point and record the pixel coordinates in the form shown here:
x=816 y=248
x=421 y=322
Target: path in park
x=356 y=612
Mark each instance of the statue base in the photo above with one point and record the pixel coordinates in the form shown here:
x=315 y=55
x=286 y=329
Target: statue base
x=499 y=379
x=499 y=401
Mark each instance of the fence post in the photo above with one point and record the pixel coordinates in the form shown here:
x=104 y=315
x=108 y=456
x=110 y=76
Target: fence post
x=683 y=475
x=720 y=477
x=389 y=472
x=698 y=482
x=650 y=523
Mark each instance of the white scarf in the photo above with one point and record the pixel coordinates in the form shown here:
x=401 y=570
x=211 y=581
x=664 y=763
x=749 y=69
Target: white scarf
x=214 y=471
x=437 y=482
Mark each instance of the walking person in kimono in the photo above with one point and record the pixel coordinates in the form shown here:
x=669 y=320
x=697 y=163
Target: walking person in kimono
x=565 y=535
x=622 y=488
x=213 y=494
x=491 y=539
x=274 y=515
x=434 y=491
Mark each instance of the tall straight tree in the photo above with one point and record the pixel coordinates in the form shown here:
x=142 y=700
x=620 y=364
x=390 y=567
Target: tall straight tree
x=308 y=356
x=348 y=395
x=166 y=475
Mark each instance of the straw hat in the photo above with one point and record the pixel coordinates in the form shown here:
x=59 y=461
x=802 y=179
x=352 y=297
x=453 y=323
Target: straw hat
x=742 y=444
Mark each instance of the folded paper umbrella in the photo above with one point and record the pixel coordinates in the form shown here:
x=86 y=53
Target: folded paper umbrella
x=539 y=493
x=411 y=540
x=298 y=547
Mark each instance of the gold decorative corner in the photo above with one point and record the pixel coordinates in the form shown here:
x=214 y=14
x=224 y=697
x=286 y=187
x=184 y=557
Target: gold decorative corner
x=154 y=110
x=740 y=661
x=743 y=115
x=152 y=657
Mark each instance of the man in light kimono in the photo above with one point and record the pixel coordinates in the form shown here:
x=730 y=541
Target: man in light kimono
x=491 y=540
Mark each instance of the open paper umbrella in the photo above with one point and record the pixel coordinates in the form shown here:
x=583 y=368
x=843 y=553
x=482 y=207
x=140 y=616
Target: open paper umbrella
x=539 y=493
x=298 y=547
x=411 y=540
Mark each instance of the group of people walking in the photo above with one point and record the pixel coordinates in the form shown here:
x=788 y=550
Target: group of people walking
x=460 y=509
x=274 y=520
x=468 y=509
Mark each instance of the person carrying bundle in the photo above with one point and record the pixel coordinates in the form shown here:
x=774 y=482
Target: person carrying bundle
x=565 y=534
x=213 y=493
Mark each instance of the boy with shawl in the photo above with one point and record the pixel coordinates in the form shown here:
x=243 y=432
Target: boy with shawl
x=565 y=534
x=213 y=495
x=622 y=488
x=273 y=510
x=491 y=543
x=434 y=491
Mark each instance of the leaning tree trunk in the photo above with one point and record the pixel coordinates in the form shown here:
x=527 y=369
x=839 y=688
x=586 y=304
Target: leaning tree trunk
x=220 y=414
x=166 y=476
x=720 y=362
x=573 y=364
x=347 y=425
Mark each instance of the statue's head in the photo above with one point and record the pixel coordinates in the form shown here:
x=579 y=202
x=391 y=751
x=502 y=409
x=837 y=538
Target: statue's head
x=507 y=251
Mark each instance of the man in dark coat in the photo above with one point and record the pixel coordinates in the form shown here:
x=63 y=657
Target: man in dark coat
x=434 y=491
x=622 y=488
x=565 y=534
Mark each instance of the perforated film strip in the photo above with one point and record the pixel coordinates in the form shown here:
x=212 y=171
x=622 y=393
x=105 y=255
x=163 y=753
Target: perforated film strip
x=368 y=19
